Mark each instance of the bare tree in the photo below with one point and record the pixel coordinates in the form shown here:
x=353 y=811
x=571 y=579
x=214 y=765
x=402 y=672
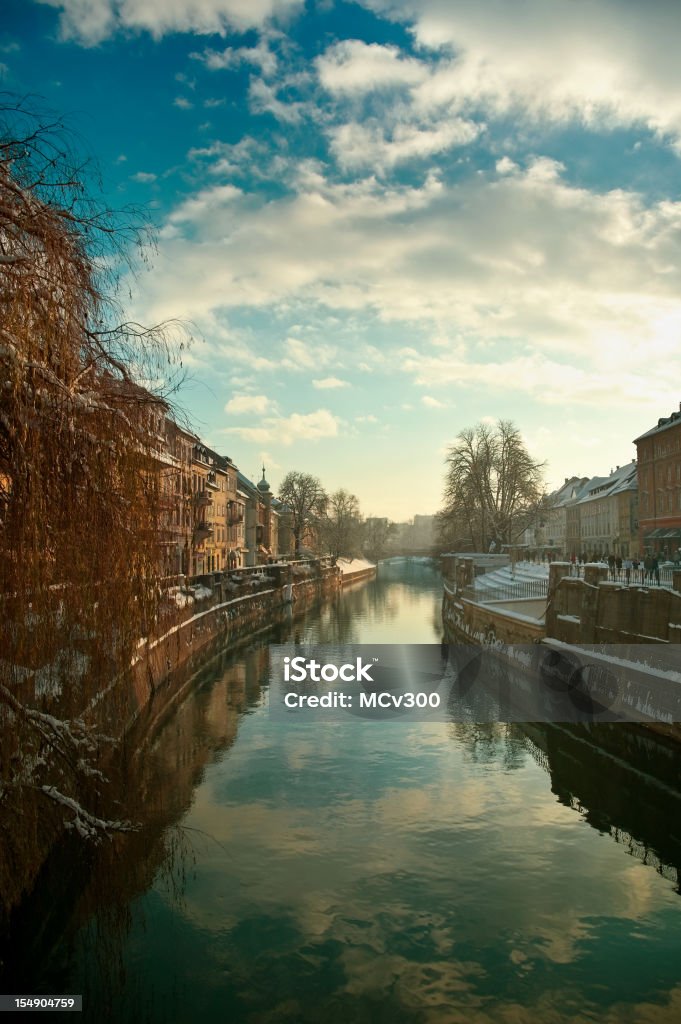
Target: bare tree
x=306 y=498
x=493 y=487
x=342 y=525
x=377 y=534
x=79 y=511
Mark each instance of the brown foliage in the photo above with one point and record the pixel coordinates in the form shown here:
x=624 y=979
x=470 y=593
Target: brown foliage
x=493 y=487
x=78 y=482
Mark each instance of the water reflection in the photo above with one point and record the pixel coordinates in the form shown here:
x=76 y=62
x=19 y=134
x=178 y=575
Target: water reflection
x=373 y=871
x=624 y=782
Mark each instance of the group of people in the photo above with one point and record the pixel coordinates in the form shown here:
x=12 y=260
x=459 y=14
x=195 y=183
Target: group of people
x=646 y=569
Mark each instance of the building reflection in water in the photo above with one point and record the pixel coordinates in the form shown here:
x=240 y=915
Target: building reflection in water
x=625 y=782
x=413 y=851
x=152 y=784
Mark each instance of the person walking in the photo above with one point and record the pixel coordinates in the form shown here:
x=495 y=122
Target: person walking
x=628 y=566
x=655 y=569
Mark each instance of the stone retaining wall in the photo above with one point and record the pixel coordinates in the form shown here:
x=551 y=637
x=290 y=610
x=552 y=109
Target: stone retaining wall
x=596 y=610
x=128 y=708
x=164 y=664
x=471 y=622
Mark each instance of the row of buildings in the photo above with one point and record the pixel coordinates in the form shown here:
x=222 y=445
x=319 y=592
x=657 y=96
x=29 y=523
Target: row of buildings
x=212 y=517
x=635 y=510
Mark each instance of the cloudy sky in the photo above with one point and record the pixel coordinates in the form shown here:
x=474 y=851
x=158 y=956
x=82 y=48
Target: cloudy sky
x=391 y=219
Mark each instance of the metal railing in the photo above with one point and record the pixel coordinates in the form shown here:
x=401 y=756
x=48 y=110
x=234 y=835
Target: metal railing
x=187 y=595
x=663 y=578
x=512 y=591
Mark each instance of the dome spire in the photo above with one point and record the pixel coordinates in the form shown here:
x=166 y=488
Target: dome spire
x=263 y=486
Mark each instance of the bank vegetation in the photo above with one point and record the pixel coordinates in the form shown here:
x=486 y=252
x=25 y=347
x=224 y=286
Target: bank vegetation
x=78 y=494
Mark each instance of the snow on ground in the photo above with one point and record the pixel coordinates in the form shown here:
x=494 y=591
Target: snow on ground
x=524 y=572
x=350 y=565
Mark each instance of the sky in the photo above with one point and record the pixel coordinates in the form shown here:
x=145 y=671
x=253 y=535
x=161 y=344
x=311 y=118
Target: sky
x=389 y=220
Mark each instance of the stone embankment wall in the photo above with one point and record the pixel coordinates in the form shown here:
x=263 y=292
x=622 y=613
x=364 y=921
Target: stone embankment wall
x=595 y=610
x=128 y=708
x=581 y=614
x=360 y=574
x=484 y=624
x=165 y=663
x=473 y=622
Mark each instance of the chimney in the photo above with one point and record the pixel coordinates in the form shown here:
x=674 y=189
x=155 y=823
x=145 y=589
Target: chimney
x=566 y=479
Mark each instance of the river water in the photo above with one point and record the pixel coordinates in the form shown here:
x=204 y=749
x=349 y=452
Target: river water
x=369 y=871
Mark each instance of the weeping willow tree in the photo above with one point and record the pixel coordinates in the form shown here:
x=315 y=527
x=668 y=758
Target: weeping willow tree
x=79 y=511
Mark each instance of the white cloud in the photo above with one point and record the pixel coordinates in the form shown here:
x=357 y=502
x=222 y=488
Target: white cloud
x=506 y=165
x=433 y=403
x=183 y=103
x=285 y=430
x=144 y=177
x=269 y=461
x=327 y=383
x=263 y=100
x=91 y=21
x=601 y=63
x=256 y=56
x=200 y=209
x=370 y=145
x=546 y=380
x=302 y=355
x=240 y=404
x=518 y=262
x=352 y=66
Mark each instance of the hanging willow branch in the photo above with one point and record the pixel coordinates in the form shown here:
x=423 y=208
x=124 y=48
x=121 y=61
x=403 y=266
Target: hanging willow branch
x=79 y=515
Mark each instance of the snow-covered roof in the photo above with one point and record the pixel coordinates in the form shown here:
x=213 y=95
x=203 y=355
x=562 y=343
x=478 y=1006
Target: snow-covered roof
x=623 y=478
x=571 y=491
x=664 y=423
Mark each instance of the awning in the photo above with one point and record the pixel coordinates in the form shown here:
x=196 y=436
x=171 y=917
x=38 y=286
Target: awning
x=663 y=533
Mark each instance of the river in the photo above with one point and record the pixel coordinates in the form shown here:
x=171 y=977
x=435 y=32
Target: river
x=368 y=871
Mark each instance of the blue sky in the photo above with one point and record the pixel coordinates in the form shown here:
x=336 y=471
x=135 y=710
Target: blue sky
x=390 y=219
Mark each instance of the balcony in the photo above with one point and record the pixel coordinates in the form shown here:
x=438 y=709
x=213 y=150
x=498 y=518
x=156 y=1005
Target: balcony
x=202 y=532
x=202 y=498
x=212 y=481
x=235 y=518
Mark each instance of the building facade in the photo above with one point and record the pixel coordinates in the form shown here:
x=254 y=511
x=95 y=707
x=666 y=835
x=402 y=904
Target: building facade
x=659 y=484
x=608 y=514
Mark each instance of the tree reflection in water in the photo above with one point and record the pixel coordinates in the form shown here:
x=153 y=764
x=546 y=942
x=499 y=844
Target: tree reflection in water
x=83 y=907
